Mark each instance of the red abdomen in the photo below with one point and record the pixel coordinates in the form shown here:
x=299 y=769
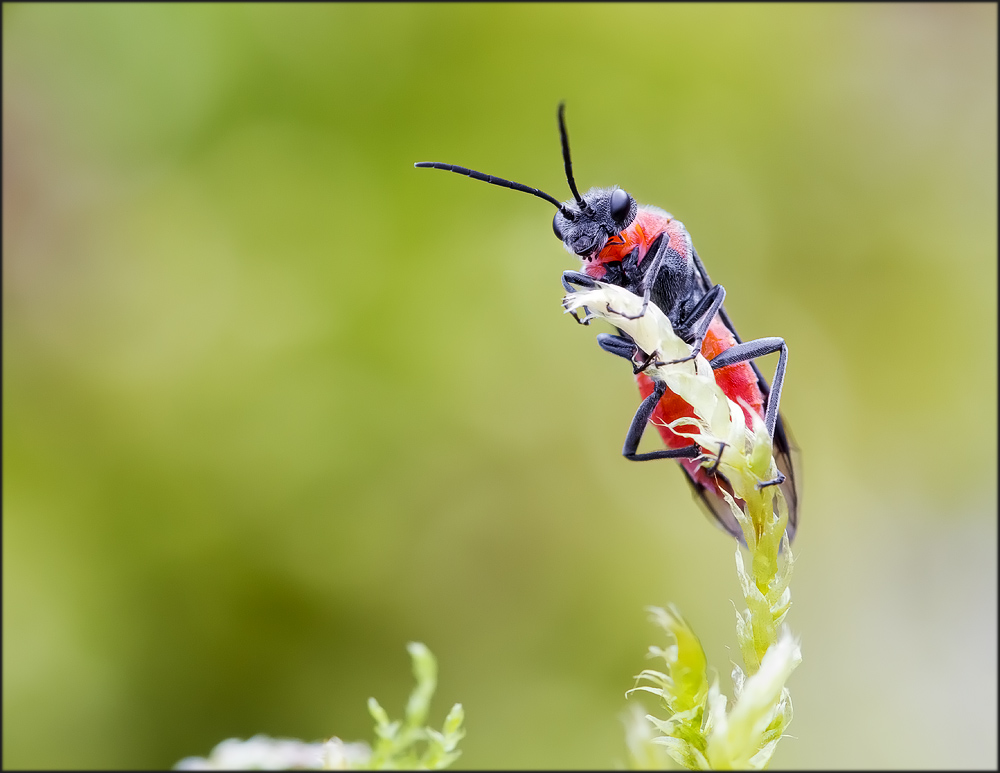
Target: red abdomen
x=738 y=382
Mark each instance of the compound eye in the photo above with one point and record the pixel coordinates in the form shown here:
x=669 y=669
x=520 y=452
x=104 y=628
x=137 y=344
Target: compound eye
x=621 y=205
x=555 y=227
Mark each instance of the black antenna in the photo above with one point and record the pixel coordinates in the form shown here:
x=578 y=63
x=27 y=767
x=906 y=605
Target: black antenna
x=566 y=160
x=488 y=178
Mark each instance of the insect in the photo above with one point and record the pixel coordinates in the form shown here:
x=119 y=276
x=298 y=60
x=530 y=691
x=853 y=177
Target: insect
x=648 y=252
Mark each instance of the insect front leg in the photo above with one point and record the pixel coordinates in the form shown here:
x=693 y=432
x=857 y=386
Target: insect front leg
x=569 y=278
x=669 y=278
x=638 y=426
x=630 y=267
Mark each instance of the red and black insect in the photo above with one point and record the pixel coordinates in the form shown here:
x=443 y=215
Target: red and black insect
x=646 y=251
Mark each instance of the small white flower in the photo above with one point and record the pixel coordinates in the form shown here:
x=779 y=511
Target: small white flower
x=400 y=745
x=264 y=753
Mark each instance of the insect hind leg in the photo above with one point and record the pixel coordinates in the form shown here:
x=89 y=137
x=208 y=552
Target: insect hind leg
x=745 y=352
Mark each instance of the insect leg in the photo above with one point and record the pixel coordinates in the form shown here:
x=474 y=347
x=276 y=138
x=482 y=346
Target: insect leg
x=667 y=277
x=626 y=348
x=638 y=425
x=758 y=348
x=642 y=310
x=781 y=437
x=702 y=315
x=718 y=458
x=569 y=278
x=623 y=347
x=630 y=267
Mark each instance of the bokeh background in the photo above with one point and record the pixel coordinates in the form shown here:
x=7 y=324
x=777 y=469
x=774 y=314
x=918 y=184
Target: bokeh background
x=276 y=403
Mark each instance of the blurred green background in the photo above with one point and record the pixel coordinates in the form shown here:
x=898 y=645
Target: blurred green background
x=276 y=403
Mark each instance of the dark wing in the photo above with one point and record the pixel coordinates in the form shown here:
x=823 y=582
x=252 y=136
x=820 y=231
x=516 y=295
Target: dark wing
x=716 y=506
x=786 y=454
